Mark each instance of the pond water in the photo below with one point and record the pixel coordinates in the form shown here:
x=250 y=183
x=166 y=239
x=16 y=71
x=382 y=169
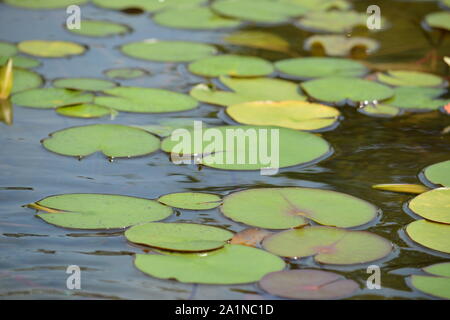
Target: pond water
x=34 y=255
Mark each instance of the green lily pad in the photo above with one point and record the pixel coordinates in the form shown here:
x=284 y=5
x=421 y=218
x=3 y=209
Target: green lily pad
x=437 y=285
x=340 y=45
x=7 y=49
x=332 y=21
x=188 y=237
x=145 y=100
x=433 y=205
x=110 y=139
x=231 y=65
x=380 y=110
x=166 y=127
x=25 y=79
x=438 y=173
x=299 y=115
x=338 y=89
x=417 y=98
x=315 y=67
x=44 y=4
x=282 y=208
x=84 y=111
x=125 y=73
x=194 y=18
x=51 y=49
x=435 y=236
x=21 y=62
x=409 y=79
x=259 y=39
x=168 y=51
x=98 y=28
x=48 y=98
x=329 y=245
x=147 y=5
x=267 y=11
x=191 y=200
x=246 y=90
x=84 y=84
x=439 y=269
x=233 y=264
x=440 y=20
x=402 y=188
x=99 y=211
x=242 y=152
x=320 y=5
x=308 y=284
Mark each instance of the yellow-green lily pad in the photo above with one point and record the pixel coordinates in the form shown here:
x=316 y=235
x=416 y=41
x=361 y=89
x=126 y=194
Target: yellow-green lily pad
x=259 y=39
x=438 y=173
x=433 y=205
x=435 y=236
x=44 y=4
x=437 y=283
x=48 y=98
x=440 y=20
x=84 y=84
x=51 y=49
x=99 y=28
x=409 y=78
x=86 y=111
x=25 y=80
x=417 y=98
x=125 y=73
x=332 y=21
x=20 y=61
x=191 y=200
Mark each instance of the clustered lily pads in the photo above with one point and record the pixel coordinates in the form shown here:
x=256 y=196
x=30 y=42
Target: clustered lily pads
x=435 y=282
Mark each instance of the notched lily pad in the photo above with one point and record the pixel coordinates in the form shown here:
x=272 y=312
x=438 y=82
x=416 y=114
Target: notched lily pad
x=436 y=284
x=433 y=205
x=84 y=84
x=191 y=200
x=51 y=49
x=435 y=236
x=48 y=98
x=438 y=173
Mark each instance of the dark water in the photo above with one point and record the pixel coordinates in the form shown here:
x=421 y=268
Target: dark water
x=35 y=255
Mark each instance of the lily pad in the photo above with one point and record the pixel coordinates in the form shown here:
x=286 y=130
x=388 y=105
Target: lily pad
x=232 y=264
x=438 y=173
x=267 y=11
x=433 y=205
x=435 y=236
x=51 y=49
x=110 y=139
x=191 y=200
x=84 y=111
x=440 y=20
x=44 y=4
x=25 y=79
x=320 y=5
x=168 y=51
x=7 y=49
x=246 y=90
x=332 y=21
x=409 y=79
x=417 y=98
x=402 y=188
x=194 y=18
x=21 y=62
x=439 y=269
x=329 y=245
x=340 y=45
x=147 y=5
x=308 y=284
x=315 y=67
x=259 y=39
x=231 y=65
x=293 y=148
x=125 y=73
x=283 y=208
x=187 y=237
x=339 y=89
x=84 y=84
x=167 y=126
x=299 y=115
x=380 y=110
x=98 y=28
x=145 y=100
x=99 y=211
x=437 y=285
x=47 y=98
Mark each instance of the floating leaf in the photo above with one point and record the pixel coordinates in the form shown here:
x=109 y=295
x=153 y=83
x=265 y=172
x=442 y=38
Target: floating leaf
x=267 y=11
x=243 y=154
x=329 y=245
x=7 y=50
x=332 y=21
x=21 y=61
x=320 y=5
x=417 y=98
x=168 y=51
x=440 y=20
x=166 y=127
x=84 y=84
x=282 y=208
x=191 y=200
x=251 y=237
x=246 y=90
x=409 y=78
x=339 y=89
x=380 y=110
x=125 y=73
x=433 y=205
x=147 y=5
x=110 y=139
x=299 y=115
x=84 y=111
x=194 y=18
x=25 y=79
x=432 y=235
x=402 y=188
x=50 y=49
x=308 y=284
x=99 y=211
x=47 y=98
x=6 y=80
x=340 y=45
x=145 y=100
x=438 y=173
x=314 y=67
x=231 y=65
x=259 y=39
x=44 y=4
x=232 y=264
x=439 y=269
x=188 y=237
x=98 y=28
x=437 y=285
